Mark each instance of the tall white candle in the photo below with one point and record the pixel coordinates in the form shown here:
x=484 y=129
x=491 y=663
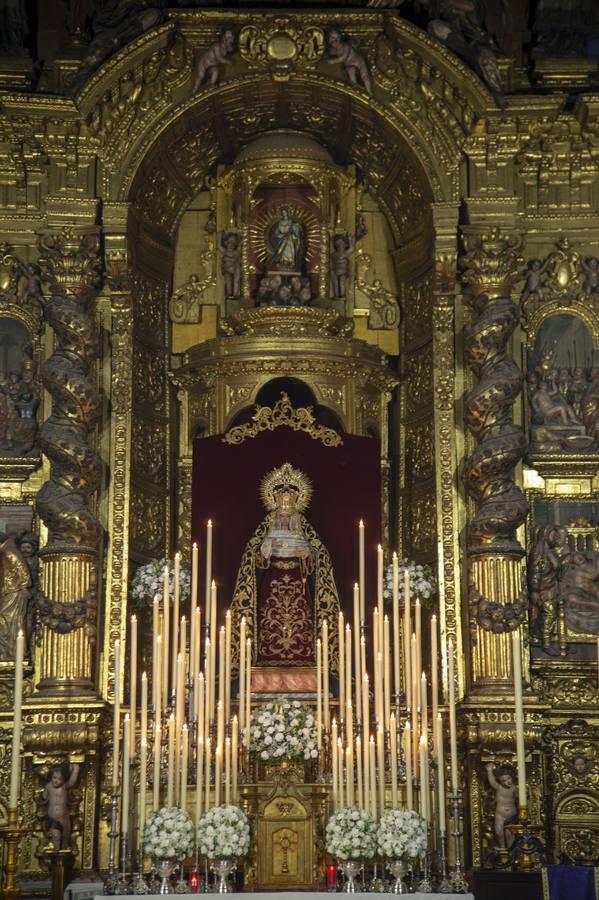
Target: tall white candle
x=125 y=798
x=380 y=752
x=357 y=671
x=143 y=785
x=349 y=769
x=393 y=757
x=434 y=678
x=372 y=776
x=242 y=650
x=218 y=774
x=341 y=640
x=155 y=633
x=248 y=691
x=228 y=666
x=184 y=765
x=144 y=707
x=360 y=781
x=387 y=671
x=407 y=631
x=199 y=781
x=175 y=635
x=407 y=742
x=441 y=814
x=396 y=633
x=319 y=693
x=334 y=765
x=325 y=673
x=15 y=761
x=157 y=679
x=166 y=613
x=156 y=772
x=208 y=571
x=116 y=721
x=234 y=755
x=361 y=572
x=519 y=716
x=170 y=771
x=453 y=738
x=341 y=778
x=213 y=639
x=348 y=653
x=228 y=770
x=133 y=686
x=208 y=769
x=222 y=674
x=193 y=604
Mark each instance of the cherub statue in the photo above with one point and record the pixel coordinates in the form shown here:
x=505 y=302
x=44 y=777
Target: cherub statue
x=30 y=286
x=56 y=797
x=342 y=250
x=591 y=281
x=354 y=64
x=533 y=283
x=212 y=59
x=504 y=784
x=230 y=248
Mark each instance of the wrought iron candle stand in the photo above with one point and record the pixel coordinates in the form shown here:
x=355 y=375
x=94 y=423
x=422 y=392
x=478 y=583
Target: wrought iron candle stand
x=110 y=882
x=458 y=881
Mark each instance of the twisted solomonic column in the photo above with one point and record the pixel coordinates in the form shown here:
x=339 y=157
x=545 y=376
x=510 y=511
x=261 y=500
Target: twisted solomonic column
x=67 y=600
x=490 y=266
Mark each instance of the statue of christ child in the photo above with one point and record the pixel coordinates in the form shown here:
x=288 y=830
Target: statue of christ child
x=285 y=585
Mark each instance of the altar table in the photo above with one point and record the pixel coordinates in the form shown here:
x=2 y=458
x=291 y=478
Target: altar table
x=313 y=895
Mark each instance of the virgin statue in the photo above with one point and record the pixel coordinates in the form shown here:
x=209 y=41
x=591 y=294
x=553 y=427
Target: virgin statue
x=287 y=242
x=285 y=585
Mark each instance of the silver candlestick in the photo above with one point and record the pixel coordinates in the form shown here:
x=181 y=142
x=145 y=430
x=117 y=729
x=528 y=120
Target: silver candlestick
x=426 y=885
x=458 y=882
x=445 y=885
x=110 y=882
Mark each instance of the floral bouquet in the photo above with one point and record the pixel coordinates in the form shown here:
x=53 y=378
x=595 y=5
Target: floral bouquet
x=422 y=582
x=351 y=834
x=402 y=834
x=169 y=834
x=224 y=833
x=149 y=581
x=284 y=729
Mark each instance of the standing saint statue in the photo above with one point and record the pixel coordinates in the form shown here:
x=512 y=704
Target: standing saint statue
x=287 y=242
x=285 y=585
x=15 y=596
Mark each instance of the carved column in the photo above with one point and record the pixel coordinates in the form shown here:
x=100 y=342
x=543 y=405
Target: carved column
x=490 y=265
x=67 y=603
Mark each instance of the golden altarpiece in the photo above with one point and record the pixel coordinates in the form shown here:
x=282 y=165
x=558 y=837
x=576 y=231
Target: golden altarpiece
x=187 y=236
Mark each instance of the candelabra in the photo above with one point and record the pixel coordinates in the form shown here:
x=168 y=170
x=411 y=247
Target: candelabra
x=139 y=883
x=458 y=882
x=110 y=882
x=445 y=885
x=122 y=884
x=12 y=834
x=426 y=885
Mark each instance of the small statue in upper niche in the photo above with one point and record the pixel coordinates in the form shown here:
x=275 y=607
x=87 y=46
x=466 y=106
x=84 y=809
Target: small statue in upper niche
x=503 y=783
x=354 y=64
x=15 y=596
x=230 y=248
x=591 y=281
x=209 y=63
x=384 y=308
x=56 y=796
x=342 y=251
x=30 y=287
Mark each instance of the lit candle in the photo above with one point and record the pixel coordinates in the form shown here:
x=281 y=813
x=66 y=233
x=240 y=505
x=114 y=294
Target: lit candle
x=166 y=604
x=156 y=773
x=179 y=711
x=407 y=630
x=418 y=631
x=365 y=708
x=380 y=752
x=361 y=571
x=349 y=724
x=184 y=764
x=372 y=779
x=157 y=681
x=423 y=782
x=378 y=689
x=519 y=717
x=325 y=672
x=208 y=770
x=195 y=664
x=208 y=571
x=407 y=746
x=15 y=760
x=242 y=649
x=441 y=815
x=375 y=632
x=360 y=781
x=222 y=665
x=234 y=755
x=379 y=591
x=228 y=771
x=434 y=677
x=341 y=639
x=335 y=763
x=453 y=739
x=349 y=769
x=248 y=692
x=387 y=670
x=362 y=655
x=347 y=662
x=116 y=721
x=393 y=755
x=201 y=704
x=175 y=635
x=199 y=781
x=183 y=640
x=193 y=604
x=155 y=621
x=207 y=685
x=220 y=724
x=357 y=672
x=341 y=777
x=319 y=693
x=170 y=785
x=396 y=633
x=143 y=780
x=213 y=650
x=218 y=774
x=126 y=769
x=144 y=707
x=424 y=705
x=415 y=704
x=228 y=666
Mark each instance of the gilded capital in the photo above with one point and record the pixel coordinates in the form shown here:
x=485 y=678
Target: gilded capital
x=70 y=259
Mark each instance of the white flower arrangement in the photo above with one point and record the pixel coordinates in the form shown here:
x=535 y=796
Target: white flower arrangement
x=224 y=833
x=351 y=834
x=401 y=835
x=422 y=582
x=149 y=581
x=169 y=834
x=284 y=729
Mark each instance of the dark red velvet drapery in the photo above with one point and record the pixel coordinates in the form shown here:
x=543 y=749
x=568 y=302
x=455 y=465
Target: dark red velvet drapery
x=347 y=487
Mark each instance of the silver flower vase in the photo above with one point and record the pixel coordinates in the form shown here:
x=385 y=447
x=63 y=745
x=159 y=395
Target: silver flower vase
x=166 y=867
x=397 y=867
x=222 y=869
x=350 y=868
